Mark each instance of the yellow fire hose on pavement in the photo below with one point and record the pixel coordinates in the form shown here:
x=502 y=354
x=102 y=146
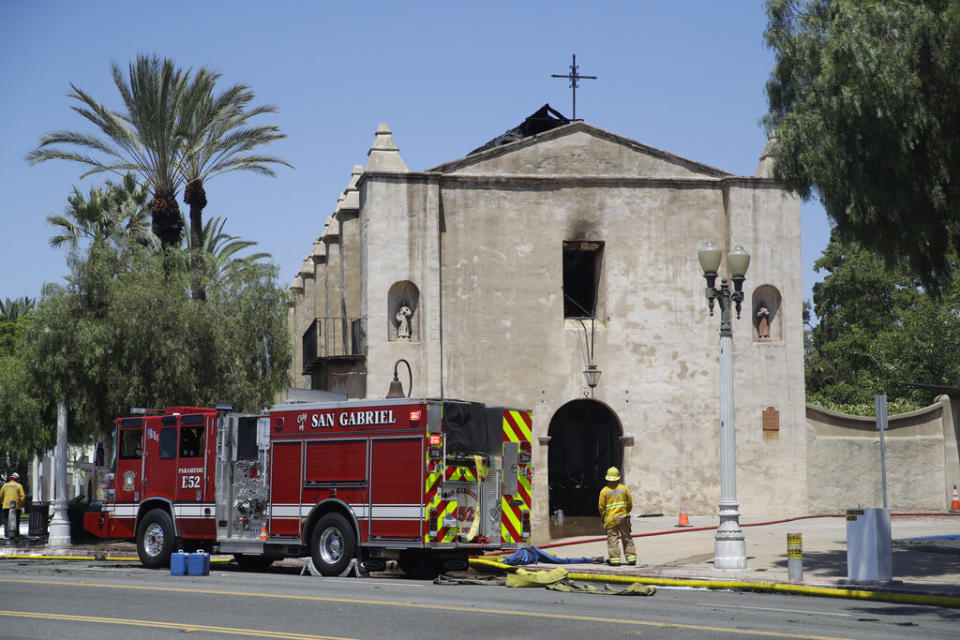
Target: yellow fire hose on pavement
x=733 y=585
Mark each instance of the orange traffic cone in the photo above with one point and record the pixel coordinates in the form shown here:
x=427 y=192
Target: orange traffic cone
x=263 y=532
x=955 y=501
x=684 y=520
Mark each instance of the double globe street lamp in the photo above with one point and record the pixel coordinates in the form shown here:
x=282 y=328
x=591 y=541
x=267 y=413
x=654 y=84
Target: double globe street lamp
x=730 y=549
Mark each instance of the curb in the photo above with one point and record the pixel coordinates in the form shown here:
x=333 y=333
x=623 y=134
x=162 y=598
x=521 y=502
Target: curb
x=762 y=587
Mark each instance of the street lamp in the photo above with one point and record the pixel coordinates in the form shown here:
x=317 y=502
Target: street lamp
x=58 y=530
x=592 y=375
x=396 y=388
x=730 y=549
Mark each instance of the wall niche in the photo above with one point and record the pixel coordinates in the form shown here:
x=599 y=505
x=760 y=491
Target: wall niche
x=403 y=312
x=767 y=324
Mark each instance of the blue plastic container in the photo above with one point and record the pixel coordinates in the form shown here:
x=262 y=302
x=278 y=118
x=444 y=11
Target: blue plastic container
x=178 y=563
x=198 y=563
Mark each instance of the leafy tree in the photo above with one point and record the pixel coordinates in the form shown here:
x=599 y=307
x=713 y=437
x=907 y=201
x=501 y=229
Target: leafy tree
x=878 y=333
x=124 y=331
x=863 y=104
x=25 y=427
x=23 y=430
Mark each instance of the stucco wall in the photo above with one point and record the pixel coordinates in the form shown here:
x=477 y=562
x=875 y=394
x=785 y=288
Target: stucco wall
x=844 y=462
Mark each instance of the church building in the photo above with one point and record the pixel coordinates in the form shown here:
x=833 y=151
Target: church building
x=555 y=269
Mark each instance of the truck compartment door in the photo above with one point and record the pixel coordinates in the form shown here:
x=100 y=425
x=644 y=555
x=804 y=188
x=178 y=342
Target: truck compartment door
x=396 y=488
x=286 y=486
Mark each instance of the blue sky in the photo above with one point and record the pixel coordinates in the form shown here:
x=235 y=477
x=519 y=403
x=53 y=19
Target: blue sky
x=686 y=76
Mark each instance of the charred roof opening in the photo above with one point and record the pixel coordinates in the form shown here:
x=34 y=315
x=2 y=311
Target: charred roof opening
x=544 y=119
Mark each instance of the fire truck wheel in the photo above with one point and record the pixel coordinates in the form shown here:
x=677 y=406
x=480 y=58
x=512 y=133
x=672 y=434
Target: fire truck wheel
x=332 y=544
x=155 y=539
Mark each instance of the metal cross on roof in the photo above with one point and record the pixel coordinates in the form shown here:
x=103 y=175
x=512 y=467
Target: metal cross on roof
x=573 y=76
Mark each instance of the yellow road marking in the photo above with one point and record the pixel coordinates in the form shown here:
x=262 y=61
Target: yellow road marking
x=159 y=624
x=414 y=605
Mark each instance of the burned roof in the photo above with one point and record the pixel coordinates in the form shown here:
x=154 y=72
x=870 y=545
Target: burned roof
x=543 y=119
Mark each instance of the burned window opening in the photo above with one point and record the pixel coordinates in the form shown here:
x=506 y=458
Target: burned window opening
x=582 y=264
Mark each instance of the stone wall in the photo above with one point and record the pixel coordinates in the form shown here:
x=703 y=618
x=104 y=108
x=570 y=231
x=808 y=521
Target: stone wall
x=844 y=462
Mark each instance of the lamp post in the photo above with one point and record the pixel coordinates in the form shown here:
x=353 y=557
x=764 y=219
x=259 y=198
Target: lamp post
x=730 y=550
x=58 y=531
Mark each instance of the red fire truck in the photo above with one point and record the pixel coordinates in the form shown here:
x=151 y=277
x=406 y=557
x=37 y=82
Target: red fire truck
x=423 y=481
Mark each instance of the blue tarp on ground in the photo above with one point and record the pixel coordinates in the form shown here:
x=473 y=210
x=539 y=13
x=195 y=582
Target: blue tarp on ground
x=534 y=555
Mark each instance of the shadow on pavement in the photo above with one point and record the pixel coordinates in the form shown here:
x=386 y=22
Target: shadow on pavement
x=906 y=563
x=871 y=613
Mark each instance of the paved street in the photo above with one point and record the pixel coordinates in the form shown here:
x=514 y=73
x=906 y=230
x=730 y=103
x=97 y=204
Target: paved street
x=103 y=599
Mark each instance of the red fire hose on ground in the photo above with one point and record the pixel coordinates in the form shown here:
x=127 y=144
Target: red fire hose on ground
x=751 y=524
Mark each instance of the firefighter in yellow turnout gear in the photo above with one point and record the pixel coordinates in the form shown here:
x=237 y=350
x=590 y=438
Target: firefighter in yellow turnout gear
x=615 y=506
x=12 y=498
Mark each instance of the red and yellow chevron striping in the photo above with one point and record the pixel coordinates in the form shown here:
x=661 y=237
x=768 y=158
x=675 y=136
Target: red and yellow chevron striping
x=515 y=509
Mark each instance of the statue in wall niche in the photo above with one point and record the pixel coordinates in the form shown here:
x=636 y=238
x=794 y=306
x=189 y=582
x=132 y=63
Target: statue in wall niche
x=403 y=323
x=763 y=323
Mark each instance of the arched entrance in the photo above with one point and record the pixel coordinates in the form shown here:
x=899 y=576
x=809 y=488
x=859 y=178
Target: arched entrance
x=584 y=441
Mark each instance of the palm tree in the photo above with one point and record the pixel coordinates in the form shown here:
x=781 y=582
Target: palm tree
x=217 y=140
x=145 y=140
x=116 y=213
x=176 y=131
x=12 y=310
x=218 y=251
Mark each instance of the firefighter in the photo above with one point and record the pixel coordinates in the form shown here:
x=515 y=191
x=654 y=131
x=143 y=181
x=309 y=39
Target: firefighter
x=615 y=506
x=12 y=498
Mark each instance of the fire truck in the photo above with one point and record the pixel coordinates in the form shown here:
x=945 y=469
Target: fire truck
x=425 y=482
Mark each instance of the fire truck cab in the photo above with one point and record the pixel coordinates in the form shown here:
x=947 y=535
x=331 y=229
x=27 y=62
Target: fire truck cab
x=426 y=482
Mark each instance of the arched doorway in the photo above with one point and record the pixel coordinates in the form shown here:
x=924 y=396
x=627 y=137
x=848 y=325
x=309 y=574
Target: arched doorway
x=584 y=442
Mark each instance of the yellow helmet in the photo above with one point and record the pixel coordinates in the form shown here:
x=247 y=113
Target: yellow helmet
x=613 y=474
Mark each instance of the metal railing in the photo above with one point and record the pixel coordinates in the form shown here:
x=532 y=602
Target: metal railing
x=333 y=337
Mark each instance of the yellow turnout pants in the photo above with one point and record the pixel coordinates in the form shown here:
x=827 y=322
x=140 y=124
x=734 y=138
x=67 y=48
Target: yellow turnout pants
x=616 y=533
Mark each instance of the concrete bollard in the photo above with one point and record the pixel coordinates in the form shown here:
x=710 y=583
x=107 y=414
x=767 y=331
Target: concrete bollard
x=795 y=557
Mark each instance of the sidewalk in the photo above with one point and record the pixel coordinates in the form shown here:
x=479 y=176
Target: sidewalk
x=928 y=565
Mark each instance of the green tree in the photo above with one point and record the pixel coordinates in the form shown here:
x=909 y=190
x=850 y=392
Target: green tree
x=218 y=138
x=219 y=253
x=116 y=213
x=25 y=427
x=175 y=131
x=145 y=139
x=878 y=333
x=124 y=331
x=23 y=431
x=863 y=104
x=13 y=310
